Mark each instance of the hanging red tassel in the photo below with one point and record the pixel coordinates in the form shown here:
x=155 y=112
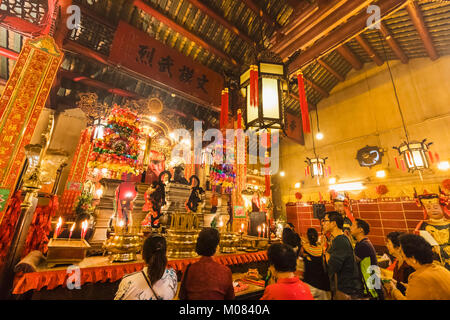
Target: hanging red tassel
x=403 y=164
x=430 y=154
x=437 y=157
x=396 y=162
x=254 y=87
x=224 y=109
x=306 y=172
x=329 y=170
x=303 y=103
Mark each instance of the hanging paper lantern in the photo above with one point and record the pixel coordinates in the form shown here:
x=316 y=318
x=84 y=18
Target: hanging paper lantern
x=298 y=195
x=381 y=189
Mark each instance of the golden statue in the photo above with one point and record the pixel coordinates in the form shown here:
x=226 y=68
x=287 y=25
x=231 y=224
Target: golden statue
x=435 y=223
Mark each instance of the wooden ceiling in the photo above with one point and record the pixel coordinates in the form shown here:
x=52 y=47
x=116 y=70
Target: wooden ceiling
x=324 y=38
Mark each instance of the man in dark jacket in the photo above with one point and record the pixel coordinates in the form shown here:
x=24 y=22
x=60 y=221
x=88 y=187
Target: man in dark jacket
x=340 y=260
x=367 y=260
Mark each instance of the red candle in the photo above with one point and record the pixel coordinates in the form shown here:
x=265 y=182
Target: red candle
x=259 y=231
x=58 y=228
x=71 y=230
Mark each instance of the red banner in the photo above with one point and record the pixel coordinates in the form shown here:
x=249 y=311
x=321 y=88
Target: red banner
x=294 y=128
x=137 y=51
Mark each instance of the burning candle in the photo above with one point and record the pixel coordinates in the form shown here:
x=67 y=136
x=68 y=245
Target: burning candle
x=58 y=228
x=264 y=230
x=84 y=226
x=121 y=224
x=71 y=230
x=259 y=231
x=220 y=226
x=242 y=228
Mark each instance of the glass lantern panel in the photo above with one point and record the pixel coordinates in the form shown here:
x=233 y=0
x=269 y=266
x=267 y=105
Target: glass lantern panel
x=315 y=170
x=418 y=159
x=252 y=112
x=270 y=102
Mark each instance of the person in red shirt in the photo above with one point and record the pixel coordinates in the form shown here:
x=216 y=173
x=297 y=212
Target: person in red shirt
x=207 y=279
x=283 y=262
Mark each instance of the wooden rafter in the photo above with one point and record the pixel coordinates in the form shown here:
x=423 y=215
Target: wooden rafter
x=300 y=14
x=181 y=30
x=342 y=34
x=214 y=15
x=328 y=24
x=417 y=18
x=325 y=9
x=255 y=8
x=393 y=43
x=369 y=50
x=351 y=58
x=330 y=69
x=317 y=88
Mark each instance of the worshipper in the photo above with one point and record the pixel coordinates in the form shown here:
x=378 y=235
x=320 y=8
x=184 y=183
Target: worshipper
x=366 y=257
x=401 y=269
x=315 y=275
x=342 y=269
x=207 y=279
x=290 y=237
x=283 y=260
x=155 y=281
x=430 y=281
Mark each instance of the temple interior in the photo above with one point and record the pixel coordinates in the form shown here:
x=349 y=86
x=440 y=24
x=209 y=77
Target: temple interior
x=126 y=119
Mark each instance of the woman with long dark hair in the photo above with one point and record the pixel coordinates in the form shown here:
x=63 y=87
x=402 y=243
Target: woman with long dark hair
x=155 y=281
x=315 y=276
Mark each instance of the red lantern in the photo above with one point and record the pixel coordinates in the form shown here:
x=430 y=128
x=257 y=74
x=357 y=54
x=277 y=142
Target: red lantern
x=381 y=189
x=446 y=184
x=298 y=195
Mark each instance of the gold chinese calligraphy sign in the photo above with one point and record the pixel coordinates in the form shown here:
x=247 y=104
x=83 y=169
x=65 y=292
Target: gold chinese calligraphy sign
x=21 y=103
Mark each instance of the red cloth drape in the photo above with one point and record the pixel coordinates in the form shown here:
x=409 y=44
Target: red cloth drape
x=111 y=273
x=8 y=225
x=303 y=103
x=40 y=227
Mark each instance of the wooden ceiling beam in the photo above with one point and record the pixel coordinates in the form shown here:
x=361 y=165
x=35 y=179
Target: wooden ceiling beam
x=344 y=33
x=181 y=30
x=301 y=12
x=330 y=69
x=419 y=23
x=327 y=25
x=351 y=58
x=256 y=9
x=393 y=43
x=215 y=16
x=326 y=8
x=317 y=88
x=369 y=50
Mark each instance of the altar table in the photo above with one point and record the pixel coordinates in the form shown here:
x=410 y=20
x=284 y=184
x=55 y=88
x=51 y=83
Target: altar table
x=94 y=270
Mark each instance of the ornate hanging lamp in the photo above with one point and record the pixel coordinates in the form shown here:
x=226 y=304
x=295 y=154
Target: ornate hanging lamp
x=413 y=153
x=262 y=85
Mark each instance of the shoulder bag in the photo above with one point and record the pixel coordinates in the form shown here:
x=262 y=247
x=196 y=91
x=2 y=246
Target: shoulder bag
x=150 y=286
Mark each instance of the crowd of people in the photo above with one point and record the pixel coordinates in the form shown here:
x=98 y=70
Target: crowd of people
x=339 y=264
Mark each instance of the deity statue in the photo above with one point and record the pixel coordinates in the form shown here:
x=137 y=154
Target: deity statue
x=195 y=198
x=155 y=198
x=438 y=226
x=178 y=175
